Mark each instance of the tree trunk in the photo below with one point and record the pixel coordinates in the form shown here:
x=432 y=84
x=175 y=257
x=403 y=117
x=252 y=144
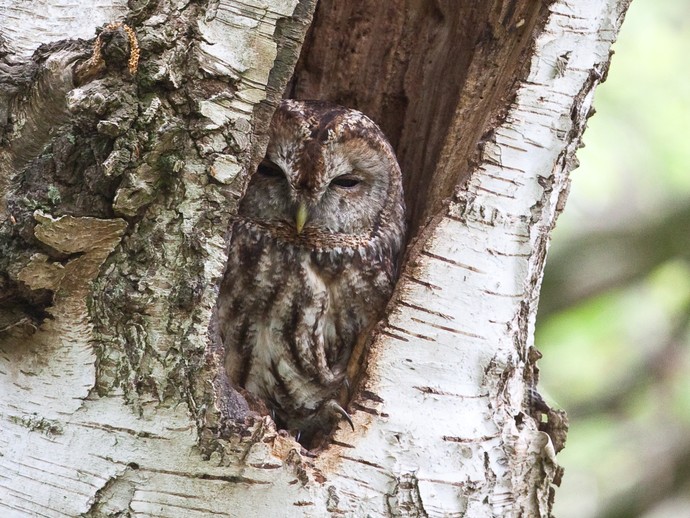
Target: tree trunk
x=122 y=160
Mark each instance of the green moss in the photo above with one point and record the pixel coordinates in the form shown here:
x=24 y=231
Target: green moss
x=53 y=195
x=41 y=424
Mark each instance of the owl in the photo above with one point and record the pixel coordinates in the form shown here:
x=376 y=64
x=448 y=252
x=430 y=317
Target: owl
x=312 y=263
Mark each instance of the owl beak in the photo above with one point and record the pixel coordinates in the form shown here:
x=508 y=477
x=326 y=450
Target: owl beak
x=301 y=217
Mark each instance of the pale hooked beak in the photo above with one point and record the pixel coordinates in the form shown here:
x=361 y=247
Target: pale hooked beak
x=301 y=217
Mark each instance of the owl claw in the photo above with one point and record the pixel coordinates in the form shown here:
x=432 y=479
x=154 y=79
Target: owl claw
x=340 y=410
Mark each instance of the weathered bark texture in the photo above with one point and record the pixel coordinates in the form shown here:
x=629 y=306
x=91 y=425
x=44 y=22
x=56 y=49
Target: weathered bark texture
x=117 y=186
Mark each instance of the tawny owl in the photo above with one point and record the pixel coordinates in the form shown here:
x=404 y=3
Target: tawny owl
x=313 y=259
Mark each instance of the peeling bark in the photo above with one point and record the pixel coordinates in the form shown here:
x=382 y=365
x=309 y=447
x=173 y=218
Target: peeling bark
x=117 y=187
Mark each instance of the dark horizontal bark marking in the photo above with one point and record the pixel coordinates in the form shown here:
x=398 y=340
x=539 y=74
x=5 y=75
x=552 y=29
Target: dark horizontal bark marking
x=234 y=479
x=453 y=262
x=432 y=390
x=266 y=465
x=342 y=444
x=504 y=254
x=128 y=431
x=368 y=394
x=425 y=310
x=423 y=283
x=366 y=409
x=444 y=482
x=410 y=333
x=484 y=438
x=448 y=329
x=388 y=333
x=506 y=180
x=178 y=506
x=507 y=295
x=496 y=193
x=518 y=234
x=505 y=144
x=368 y=463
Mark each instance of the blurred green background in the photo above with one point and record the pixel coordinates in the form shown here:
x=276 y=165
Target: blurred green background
x=614 y=316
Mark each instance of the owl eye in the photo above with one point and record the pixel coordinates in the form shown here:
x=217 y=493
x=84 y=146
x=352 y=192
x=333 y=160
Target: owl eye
x=269 y=169
x=346 y=181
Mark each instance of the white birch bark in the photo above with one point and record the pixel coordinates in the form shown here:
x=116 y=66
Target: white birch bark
x=441 y=425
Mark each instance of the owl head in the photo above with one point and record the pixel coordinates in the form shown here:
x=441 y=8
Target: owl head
x=327 y=169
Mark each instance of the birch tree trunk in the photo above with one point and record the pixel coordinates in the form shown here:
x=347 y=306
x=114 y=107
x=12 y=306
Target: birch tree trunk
x=122 y=159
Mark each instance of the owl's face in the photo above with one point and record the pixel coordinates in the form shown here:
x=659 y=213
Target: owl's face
x=328 y=169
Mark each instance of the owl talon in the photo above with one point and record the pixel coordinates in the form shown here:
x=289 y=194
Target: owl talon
x=335 y=407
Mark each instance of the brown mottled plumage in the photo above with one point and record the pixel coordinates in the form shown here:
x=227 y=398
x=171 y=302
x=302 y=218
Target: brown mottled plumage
x=313 y=260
